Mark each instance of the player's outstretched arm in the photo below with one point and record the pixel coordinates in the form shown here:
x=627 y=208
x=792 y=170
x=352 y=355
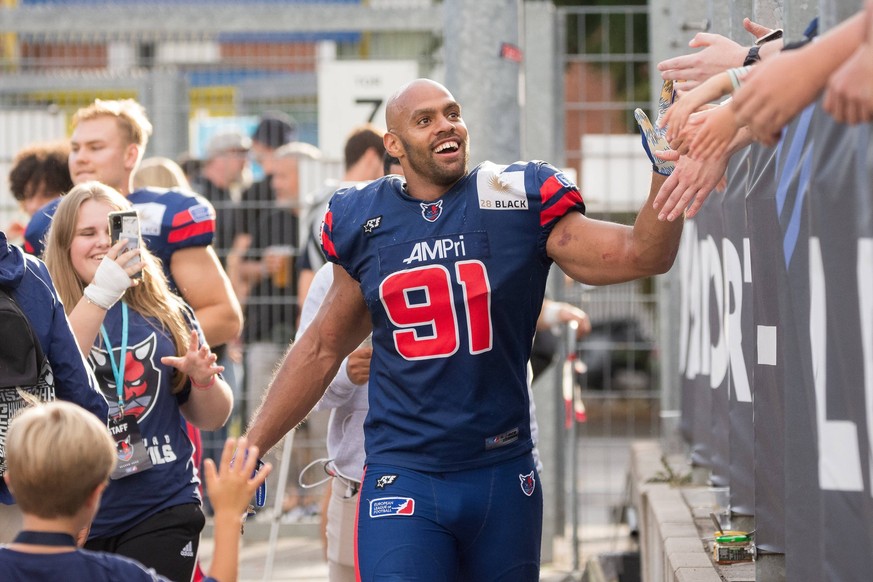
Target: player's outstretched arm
x=230 y=486
x=340 y=325
x=600 y=253
x=777 y=89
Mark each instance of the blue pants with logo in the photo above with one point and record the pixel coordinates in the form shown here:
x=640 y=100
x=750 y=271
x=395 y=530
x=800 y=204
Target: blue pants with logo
x=481 y=524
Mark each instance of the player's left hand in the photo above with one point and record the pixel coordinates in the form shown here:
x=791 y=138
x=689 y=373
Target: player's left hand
x=654 y=137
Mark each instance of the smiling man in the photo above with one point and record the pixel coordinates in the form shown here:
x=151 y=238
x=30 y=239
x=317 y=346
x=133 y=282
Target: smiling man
x=448 y=269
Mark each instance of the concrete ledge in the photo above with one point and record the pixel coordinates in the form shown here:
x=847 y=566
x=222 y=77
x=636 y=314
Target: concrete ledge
x=676 y=532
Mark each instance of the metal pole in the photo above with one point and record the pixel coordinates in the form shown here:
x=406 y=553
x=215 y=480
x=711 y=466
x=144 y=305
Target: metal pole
x=570 y=424
x=276 y=515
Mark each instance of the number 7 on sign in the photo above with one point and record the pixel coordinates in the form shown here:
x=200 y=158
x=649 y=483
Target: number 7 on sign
x=423 y=297
x=376 y=103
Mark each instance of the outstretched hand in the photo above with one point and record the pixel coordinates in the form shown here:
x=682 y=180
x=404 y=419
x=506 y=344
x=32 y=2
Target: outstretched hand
x=231 y=485
x=719 y=54
x=654 y=137
x=716 y=130
x=197 y=363
x=689 y=186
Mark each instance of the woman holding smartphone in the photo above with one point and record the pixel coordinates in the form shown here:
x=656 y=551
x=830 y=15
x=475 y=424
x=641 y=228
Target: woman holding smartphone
x=155 y=371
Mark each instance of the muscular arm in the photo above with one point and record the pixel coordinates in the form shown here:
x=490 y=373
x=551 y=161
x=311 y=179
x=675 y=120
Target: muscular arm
x=340 y=325
x=600 y=253
x=203 y=283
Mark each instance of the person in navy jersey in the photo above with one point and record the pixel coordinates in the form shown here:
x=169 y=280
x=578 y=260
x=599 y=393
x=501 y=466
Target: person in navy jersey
x=28 y=281
x=45 y=548
x=108 y=143
x=154 y=369
x=447 y=268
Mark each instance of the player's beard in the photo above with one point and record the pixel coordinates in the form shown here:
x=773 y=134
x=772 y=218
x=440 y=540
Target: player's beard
x=424 y=163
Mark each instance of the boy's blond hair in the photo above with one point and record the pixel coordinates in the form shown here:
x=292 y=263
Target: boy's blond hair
x=57 y=454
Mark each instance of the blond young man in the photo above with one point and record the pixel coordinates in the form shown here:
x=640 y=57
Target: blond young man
x=60 y=493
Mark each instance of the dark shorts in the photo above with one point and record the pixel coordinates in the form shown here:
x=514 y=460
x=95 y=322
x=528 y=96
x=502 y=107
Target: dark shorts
x=168 y=541
x=482 y=524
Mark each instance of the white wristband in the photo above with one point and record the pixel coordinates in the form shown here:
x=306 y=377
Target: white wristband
x=109 y=284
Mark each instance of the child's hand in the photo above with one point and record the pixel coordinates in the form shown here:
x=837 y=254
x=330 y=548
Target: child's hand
x=230 y=487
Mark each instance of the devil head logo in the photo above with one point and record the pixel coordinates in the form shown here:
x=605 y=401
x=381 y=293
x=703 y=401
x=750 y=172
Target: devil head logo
x=142 y=379
x=431 y=210
x=527 y=483
x=124 y=449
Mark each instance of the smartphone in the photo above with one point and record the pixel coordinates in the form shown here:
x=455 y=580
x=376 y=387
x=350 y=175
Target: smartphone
x=125 y=224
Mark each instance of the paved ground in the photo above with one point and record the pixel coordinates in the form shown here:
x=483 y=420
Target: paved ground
x=298 y=557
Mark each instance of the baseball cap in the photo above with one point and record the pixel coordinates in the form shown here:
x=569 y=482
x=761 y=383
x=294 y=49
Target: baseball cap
x=227 y=141
x=275 y=130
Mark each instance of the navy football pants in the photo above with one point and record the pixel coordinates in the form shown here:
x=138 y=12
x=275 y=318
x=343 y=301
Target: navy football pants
x=476 y=525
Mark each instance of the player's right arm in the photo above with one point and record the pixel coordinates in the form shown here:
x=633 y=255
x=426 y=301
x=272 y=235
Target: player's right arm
x=340 y=325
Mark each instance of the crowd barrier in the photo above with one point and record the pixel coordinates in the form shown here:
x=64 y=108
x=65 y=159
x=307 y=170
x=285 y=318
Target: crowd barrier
x=776 y=345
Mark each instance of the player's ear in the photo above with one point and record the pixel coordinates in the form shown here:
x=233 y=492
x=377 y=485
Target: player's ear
x=392 y=144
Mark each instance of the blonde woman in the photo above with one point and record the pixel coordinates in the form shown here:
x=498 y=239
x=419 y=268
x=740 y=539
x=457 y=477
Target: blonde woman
x=155 y=371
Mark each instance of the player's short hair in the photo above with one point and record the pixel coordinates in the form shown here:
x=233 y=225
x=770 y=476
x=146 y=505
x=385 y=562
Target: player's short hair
x=131 y=117
x=362 y=139
x=41 y=166
x=57 y=454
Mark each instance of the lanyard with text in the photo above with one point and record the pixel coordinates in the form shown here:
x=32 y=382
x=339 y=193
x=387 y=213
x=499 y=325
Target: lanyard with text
x=132 y=454
x=118 y=369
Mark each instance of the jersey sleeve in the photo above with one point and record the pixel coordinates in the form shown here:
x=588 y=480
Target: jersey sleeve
x=558 y=197
x=191 y=221
x=38 y=227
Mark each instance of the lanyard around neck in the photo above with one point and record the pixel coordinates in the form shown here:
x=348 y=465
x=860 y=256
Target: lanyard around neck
x=118 y=368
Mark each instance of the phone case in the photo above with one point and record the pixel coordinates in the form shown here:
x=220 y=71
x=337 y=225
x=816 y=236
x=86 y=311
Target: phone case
x=125 y=224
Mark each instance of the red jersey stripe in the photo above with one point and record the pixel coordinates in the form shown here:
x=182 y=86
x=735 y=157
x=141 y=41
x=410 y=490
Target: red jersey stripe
x=560 y=207
x=192 y=230
x=549 y=188
x=329 y=248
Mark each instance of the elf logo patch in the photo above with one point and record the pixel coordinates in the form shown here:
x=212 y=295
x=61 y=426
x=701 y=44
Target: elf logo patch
x=385 y=480
x=392 y=506
x=372 y=224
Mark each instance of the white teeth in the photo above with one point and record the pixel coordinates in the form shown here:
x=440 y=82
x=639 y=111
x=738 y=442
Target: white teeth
x=445 y=146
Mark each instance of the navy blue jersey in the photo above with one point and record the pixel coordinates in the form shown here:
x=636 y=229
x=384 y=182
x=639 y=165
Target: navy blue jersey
x=148 y=396
x=171 y=220
x=79 y=565
x=454 y=288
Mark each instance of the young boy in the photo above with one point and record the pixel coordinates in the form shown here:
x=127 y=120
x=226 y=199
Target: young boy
x=59 y=460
